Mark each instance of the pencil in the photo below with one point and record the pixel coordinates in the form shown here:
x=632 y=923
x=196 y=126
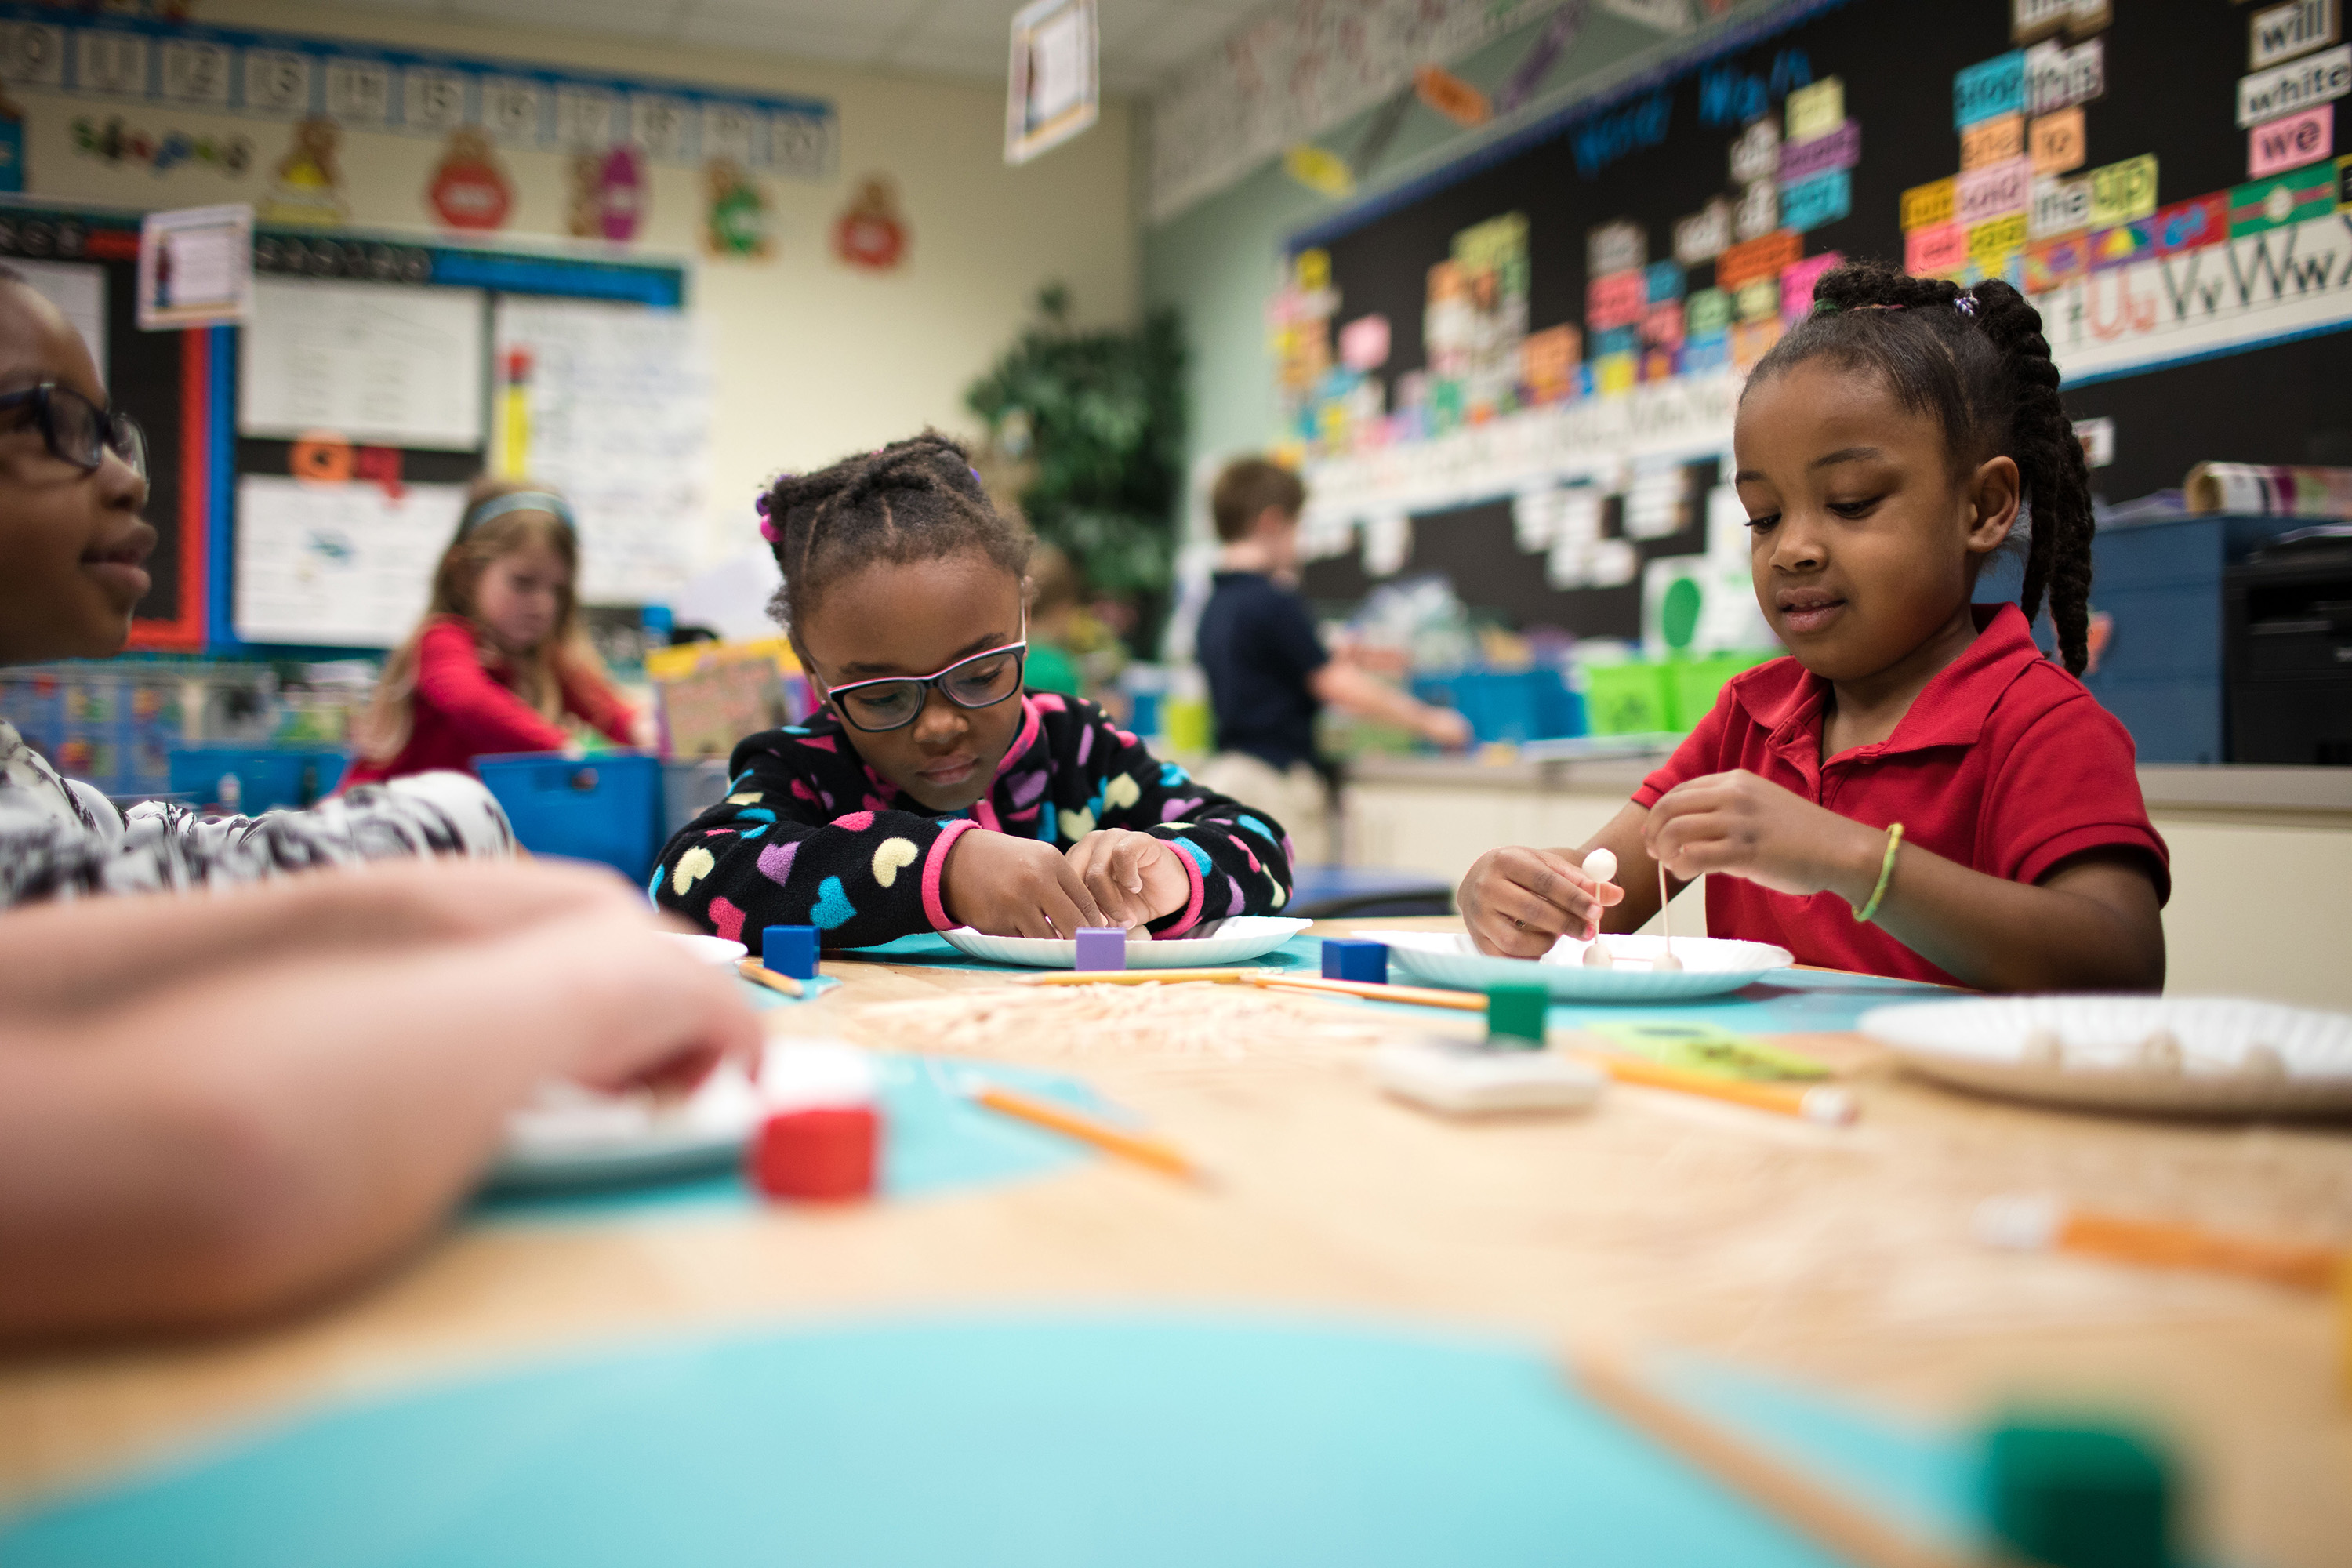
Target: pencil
x=1417 y=995
x=1820 y=1102
x=1132 y=976
x=1848 y=1532
x=1141 y=1148
x=2031 y=1224
x=759 y=974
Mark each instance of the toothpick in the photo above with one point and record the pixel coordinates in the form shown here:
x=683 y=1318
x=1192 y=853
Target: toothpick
x=1666 y=910
x=1666 y=920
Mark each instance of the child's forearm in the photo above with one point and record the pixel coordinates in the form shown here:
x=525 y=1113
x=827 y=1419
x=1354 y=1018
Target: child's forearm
x=2094 y=926
x=280 y=1144
x=104 y=952
x=65 y=958
x=1351 y=691
x=240 y=1143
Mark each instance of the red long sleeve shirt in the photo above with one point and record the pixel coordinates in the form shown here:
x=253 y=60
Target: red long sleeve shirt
x=466 y=709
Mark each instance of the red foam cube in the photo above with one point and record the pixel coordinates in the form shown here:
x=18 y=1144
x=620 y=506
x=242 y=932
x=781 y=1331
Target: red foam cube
x=825 y=1153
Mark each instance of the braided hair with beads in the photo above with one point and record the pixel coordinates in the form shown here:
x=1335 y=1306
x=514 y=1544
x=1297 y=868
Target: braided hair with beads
x=1975 y=359
x=915 y=500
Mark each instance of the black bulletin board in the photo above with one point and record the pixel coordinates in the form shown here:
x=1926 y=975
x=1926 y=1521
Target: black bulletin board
x=2171 y=68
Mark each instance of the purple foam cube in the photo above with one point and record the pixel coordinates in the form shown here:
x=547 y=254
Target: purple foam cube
x=1101 y=947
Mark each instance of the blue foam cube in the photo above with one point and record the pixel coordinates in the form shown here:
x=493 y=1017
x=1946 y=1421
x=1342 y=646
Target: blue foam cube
x=1101 y=947
x=790 y=950
x=1352 y=958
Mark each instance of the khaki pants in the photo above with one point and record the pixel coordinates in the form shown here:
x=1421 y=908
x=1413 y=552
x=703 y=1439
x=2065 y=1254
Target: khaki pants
x=1294 y=796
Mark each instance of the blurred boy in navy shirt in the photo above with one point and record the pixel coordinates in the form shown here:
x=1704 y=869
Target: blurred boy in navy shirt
x=1269 y=673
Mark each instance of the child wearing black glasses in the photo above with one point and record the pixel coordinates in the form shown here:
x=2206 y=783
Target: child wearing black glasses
x=932 y=791
x=73 y=552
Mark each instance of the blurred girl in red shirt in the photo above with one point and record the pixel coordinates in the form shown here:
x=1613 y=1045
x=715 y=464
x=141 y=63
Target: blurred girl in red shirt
x=499 y=663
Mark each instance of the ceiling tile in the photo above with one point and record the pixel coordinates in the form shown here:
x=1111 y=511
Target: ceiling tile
x=980 y=62
x=808 y=40
x=1120 y=20
x=1181 y=32
x=640 y=17
x=966 y=20
x=880 y=17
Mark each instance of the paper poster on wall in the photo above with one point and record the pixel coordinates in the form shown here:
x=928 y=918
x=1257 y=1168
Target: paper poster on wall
x=871 y=232
x=308 y=191
x=344 y=565
x=619 y=418
x=78 y=289
x=471 y=188
x=375 y=363
x=196 y=267
x=277 y=76
x=1054 y=87
x=737 y=221
x=610 y=197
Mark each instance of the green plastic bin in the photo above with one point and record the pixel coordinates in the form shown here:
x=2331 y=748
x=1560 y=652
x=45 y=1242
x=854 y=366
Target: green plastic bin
x=1631 y=698
x=1697 y=682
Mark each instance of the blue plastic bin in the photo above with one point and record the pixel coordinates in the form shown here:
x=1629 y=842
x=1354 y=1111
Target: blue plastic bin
x=605 y=809
x=1508 y=704
x=269 y=778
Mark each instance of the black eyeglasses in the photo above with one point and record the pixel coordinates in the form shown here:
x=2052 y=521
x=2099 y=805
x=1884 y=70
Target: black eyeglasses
x=78 y=430
x=892 y=702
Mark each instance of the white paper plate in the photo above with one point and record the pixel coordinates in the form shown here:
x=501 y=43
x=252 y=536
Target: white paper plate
x=1233 y=941
x=571 y=1137
x=1710 y=967
x=2212 y=1056
x=709 y=949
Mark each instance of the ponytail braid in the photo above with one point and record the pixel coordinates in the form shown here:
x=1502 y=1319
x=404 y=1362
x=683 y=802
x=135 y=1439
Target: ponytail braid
x=915 y=500
x=2050 y=459
x=1975 y=359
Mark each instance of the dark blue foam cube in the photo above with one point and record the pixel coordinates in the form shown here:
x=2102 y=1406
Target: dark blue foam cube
x=789 y=949
x=1352 y=958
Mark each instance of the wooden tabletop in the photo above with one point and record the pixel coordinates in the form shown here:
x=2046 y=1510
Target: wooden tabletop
x=1841 y=1255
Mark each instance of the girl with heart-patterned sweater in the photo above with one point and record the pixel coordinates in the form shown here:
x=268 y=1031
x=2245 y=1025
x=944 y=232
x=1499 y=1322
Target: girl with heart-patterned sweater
x=932 y=791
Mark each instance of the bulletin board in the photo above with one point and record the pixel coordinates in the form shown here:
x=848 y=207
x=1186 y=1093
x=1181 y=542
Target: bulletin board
x=2198 y=308
x=346 y=564
x=162 y=379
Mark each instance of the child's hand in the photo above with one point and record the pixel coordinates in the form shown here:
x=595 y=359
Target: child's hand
x=657 y=1017
x=1016 y=887
x=1517 y=901
x=1742 y=825
x=1135 y=878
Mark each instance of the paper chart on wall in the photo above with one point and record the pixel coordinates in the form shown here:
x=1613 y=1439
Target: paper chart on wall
x=339 y=565
x=78 y=289
x=380 y=364
x=616 y=419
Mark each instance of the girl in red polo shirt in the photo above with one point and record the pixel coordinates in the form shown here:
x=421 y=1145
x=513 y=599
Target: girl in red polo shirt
x=499 y=663
x=1917 y=791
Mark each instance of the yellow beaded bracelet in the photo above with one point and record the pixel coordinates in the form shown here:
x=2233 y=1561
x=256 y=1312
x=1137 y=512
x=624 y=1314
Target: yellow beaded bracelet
x=1886 y=874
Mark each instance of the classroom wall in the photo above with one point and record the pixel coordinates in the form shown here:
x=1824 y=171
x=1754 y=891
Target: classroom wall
x=811 y=359
x=1218 y=262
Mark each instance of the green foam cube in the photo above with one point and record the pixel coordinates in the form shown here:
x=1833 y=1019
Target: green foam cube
x=1514 y=1014
x=2077 y=1496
